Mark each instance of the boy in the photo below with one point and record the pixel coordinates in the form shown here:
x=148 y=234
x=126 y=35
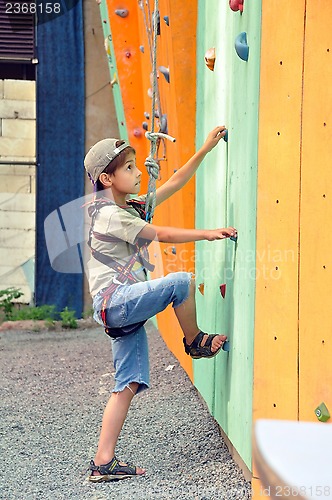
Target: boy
x=123 y=299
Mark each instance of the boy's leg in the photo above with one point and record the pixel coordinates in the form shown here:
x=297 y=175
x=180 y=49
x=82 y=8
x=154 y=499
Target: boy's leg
x=186 y=315
x=131 y=363
x=114 y=416
x=140 y=301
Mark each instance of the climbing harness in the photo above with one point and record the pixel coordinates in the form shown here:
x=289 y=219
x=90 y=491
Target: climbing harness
x=124 y=272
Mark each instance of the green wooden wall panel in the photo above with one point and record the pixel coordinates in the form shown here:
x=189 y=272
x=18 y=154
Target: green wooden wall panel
x=226 y=195
x=123 y=134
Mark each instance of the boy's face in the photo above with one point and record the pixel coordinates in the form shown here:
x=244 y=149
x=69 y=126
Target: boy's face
x=127 y=178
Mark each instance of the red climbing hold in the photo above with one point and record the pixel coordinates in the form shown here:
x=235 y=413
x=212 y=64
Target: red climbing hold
x=236 y=5
x=223 y=290
x=201 y=288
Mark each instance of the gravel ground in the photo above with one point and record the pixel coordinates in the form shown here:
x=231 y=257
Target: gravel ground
x=54 y=389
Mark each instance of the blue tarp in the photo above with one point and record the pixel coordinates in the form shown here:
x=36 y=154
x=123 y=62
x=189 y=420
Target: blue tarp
x=60 y=145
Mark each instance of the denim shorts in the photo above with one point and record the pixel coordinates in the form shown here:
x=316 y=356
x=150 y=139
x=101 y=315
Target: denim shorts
x=131 y=304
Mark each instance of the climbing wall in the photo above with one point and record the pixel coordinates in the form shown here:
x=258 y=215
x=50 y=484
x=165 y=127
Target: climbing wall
x=120 y=26
x=177 y=90
x=128 y=32
x=292 y=373
x=270 y=180
x=226 y=195
x=315 y=283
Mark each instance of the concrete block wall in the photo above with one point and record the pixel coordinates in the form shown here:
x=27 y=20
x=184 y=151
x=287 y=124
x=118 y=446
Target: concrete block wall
x=17 y=185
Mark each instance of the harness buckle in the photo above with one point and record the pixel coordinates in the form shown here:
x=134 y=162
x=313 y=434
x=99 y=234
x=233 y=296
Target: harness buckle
x=117 y=282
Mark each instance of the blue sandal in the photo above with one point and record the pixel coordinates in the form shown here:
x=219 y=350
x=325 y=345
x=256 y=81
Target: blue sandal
x=112 y=471
x=197 y=351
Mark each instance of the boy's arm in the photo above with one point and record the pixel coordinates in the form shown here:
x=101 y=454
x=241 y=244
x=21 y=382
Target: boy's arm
x=180 y=235
x=185 y=173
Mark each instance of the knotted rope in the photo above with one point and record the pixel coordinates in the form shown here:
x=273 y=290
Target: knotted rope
x=151 y=164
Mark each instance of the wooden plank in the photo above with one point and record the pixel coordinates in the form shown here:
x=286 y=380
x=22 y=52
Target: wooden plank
x=315 y=292
x=276 y=311
x=226 y=195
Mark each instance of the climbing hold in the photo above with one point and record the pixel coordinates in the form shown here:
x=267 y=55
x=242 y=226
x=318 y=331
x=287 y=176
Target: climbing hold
x=156 y=114
x=226 y=346
x=165 y=251
x=150 y=93
x=236 y=5
x=122 y=12
x=241 y=46
x=128 y=54
x=223 y=290
x=210 y=58
x=173 y=250
x=107 y=46
x=163 y=124
x=147 y=115
x=165 y=72
x=233 y=238
x=322 y=413
x=201 y=288
x=166 y=19
x=137 y=132
x=226 y=136
x=145 y=125
x=141 y=48
x=157 y=20
x=115 y=80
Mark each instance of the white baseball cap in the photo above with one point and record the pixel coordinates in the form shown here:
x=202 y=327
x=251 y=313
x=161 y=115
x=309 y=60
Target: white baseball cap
x=100 y=156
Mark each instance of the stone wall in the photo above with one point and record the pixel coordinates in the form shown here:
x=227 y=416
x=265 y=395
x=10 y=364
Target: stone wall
x=17 y=185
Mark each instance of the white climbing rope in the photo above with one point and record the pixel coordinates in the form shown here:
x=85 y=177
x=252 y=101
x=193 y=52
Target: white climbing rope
x=151 y=164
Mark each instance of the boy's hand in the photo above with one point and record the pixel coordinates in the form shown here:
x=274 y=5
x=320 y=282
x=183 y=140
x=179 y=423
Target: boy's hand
x=220 y=234
x=213 y=138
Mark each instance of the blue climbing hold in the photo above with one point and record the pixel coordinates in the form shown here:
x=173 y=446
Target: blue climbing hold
x=163 y=124
x=241 y=46
x=226 y=347
x=122 y=12
x=226 y=136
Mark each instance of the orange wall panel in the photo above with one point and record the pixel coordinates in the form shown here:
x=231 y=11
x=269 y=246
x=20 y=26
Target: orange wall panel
x=276 y=323
x=176 y=49
x=315 y=319
x=126 y=42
